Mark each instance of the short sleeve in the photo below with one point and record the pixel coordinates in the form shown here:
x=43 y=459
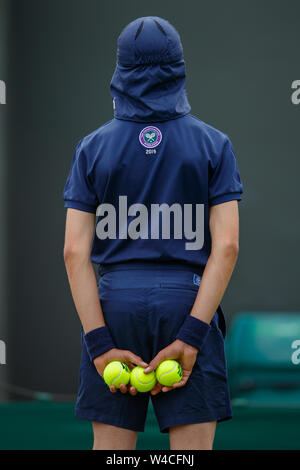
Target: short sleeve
x=78 y=191
x=225 y=182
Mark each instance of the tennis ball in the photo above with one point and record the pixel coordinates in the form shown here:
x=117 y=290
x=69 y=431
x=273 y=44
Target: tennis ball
x=116 y=373
x=142 y=382
x=169 y=372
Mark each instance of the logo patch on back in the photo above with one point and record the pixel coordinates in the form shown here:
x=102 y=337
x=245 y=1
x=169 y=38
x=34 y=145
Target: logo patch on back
x=197 y=279
x=150 y=137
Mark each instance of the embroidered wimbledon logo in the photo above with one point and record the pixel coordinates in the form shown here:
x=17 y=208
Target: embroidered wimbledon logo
x=150 y=137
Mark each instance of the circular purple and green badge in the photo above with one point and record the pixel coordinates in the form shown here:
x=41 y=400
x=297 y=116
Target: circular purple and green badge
x=150 y=137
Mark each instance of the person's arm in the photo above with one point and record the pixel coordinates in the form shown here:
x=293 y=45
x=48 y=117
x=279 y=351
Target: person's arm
x=79 y=233
x=78 y=238
x=224 y=229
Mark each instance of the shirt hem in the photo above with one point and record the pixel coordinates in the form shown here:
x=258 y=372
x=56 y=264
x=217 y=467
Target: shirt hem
x=225 y=198
x=80 y=206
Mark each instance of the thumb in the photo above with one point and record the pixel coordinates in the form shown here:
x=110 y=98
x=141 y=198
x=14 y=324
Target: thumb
x=160 y=357
x=135 y=359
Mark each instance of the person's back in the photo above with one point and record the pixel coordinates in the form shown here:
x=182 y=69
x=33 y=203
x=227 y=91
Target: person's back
x=152 y=176
x=153 y=158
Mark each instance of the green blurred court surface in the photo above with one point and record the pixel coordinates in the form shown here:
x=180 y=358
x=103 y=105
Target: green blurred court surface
x=265 y=386
x=53 y=426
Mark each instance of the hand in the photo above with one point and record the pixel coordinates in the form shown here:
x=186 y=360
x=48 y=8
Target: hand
x=186 y=356
x=121 y=355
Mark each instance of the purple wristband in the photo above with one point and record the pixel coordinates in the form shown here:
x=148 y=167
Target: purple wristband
x=98 y=342
x=193 y=331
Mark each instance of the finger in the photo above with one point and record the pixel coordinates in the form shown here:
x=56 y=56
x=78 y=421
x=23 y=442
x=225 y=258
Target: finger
x=156 y=389
x=160 y=357
x=113 y=388
x=130 y=365
x=176 y=385
x=136 y=360
x=180 y=384
x=100 y=373
x=132 y=391
x=123 y=388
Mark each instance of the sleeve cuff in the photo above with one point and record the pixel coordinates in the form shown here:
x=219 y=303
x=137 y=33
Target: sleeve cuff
x=81 y=206
x=225 y=198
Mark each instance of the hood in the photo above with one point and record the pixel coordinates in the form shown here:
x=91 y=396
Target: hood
x=148 y=84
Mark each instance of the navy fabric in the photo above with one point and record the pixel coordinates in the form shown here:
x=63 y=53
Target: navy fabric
x=153 y=152
x=184 y=161
x=193 y=164
x=144 y=309
x=148 y=84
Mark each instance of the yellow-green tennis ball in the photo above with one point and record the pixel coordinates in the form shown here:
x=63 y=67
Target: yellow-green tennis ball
x=169 y=372
x=142 y=382
x=116 y=373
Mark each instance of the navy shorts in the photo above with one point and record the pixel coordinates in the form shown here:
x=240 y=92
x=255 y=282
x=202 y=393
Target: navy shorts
x=144 y=307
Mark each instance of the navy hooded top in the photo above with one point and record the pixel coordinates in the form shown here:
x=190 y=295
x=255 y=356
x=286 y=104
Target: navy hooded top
x=151 y=173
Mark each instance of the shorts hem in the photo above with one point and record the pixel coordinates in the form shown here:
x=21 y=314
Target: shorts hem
x=91 y=415
x=193 y=419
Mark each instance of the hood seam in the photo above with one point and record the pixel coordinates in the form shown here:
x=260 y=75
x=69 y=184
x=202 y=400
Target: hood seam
x=152 y=122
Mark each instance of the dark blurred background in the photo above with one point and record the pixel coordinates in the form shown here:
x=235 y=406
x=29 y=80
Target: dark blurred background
x=57 y=58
